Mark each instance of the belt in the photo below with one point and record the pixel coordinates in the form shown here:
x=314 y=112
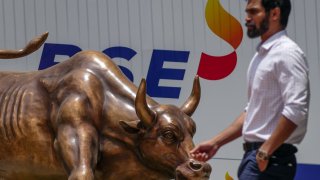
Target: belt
x=283 y=149
x=250 y=146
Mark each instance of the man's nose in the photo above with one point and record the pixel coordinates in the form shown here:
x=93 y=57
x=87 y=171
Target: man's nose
x=248 y=19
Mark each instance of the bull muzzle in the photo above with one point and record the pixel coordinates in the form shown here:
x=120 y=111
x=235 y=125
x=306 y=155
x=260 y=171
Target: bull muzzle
x=193 y=170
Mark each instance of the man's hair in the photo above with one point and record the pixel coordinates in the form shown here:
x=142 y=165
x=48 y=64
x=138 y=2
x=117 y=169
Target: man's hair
x=285 y=8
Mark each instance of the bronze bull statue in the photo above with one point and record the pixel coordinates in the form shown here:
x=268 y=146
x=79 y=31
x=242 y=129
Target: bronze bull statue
x=82 y=119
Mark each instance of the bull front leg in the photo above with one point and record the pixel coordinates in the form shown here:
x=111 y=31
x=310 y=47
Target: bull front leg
x=77 y=139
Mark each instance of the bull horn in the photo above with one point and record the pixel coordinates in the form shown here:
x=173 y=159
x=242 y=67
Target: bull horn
x=192 y=102
x=145 y=114
x=32 y=46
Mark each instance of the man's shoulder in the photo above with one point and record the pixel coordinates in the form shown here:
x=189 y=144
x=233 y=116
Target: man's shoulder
x=286 y=44
x=286 y=51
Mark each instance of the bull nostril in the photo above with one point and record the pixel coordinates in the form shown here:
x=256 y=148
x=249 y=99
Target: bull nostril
x=195 y=165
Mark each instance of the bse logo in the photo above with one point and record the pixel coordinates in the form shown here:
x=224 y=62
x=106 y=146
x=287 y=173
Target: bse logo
x=210 y=67
x=156 y=70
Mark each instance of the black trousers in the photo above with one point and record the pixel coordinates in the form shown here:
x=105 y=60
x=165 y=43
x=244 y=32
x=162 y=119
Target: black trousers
x=282 y=164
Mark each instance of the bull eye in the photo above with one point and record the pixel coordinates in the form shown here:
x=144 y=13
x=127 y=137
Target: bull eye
x=169 y=136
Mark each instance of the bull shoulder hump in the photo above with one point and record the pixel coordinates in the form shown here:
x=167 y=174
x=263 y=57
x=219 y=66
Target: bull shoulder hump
x=49 y=83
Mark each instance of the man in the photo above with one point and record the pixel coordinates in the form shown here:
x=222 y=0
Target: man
x=278 y=99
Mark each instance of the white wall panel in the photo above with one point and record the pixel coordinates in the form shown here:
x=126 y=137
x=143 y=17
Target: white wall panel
x=145 y=25
x=73 y=26
x=2 y=36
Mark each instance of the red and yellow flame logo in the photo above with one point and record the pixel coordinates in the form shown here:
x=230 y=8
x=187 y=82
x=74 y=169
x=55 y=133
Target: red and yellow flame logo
x=229 y=29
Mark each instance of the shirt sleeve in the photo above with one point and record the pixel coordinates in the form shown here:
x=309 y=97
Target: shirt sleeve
x=246 y=107
x=292 y=73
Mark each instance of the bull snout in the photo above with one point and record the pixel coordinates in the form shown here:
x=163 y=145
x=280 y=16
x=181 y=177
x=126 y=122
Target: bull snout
x=194 y=170
x=198 y=166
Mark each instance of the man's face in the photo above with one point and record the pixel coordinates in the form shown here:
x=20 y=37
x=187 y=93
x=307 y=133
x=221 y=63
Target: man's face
x=257 y=20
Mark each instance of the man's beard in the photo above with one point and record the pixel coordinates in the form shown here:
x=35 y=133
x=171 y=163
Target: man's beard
x=256 y=32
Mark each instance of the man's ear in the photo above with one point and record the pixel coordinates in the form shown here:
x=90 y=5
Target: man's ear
x=130 y=127
x=275 y=14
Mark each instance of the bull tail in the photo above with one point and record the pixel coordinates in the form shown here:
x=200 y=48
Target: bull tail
x=32 y=46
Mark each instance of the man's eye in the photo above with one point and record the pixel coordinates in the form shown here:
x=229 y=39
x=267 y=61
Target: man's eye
x=252 y=11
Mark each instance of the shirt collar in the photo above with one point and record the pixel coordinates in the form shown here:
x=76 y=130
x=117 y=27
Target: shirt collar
x=265 y=46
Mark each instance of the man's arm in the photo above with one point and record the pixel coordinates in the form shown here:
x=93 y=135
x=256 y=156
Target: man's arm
x=230 y=133
x=282 y=132
x=204 y=151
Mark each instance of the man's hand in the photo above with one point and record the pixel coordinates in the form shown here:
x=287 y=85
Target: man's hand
x=262 y=164
x=284 y=129
x=204 y=151
x=262 y=158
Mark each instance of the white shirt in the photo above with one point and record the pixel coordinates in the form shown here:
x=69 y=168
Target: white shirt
x=278 y=84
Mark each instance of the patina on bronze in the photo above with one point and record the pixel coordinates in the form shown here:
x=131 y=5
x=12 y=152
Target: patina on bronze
x=82 y=119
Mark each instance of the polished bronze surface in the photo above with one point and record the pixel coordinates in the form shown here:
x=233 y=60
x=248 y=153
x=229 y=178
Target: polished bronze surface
x=82 y=119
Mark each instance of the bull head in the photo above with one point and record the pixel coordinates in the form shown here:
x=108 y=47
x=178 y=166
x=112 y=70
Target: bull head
x=169 y=130
x=146 y=115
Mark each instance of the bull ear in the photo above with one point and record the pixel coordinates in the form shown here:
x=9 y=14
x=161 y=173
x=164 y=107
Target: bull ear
x=192 y=102
x=144 y=113
x=130 y=127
